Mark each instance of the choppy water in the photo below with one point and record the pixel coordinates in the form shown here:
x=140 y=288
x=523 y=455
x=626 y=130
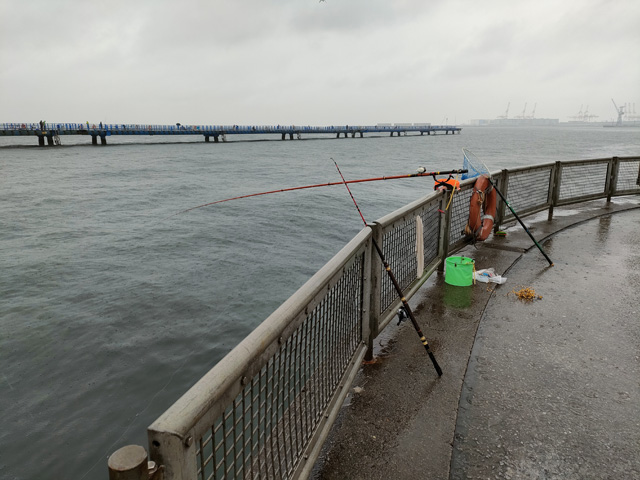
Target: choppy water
x=111 y=306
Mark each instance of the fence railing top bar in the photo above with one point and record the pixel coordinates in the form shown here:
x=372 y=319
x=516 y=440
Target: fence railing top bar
x=573 y=163
x=531 y=168
x=183 y=415
x=395 y=215
x=629 y=159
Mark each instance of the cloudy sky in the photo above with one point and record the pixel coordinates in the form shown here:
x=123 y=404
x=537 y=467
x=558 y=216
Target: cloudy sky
x=315 y=62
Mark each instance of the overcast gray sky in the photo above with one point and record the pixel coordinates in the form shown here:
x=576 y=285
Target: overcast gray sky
x=315 y=62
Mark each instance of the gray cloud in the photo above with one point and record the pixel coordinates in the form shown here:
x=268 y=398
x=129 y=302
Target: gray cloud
x=302 y=61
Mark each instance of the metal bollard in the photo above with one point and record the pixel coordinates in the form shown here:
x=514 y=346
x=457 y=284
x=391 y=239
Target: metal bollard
x=129 y=463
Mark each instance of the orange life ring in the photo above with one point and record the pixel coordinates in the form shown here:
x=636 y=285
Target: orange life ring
x=483 y=199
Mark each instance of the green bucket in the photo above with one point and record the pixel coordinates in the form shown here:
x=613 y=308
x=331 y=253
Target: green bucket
x=458 y=271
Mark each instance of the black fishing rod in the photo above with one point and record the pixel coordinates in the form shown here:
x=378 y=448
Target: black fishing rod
x=521 y=223
x=421 y=172
x=478 y=166
x=395 y=282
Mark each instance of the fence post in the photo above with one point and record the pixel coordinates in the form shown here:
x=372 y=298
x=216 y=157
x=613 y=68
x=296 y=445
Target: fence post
x=445 y=229
x=129 y=463
x=503 y=183
x=367 y=297
x=555 y=193
x=612 y=177
x=554 y=189
x=375 y=289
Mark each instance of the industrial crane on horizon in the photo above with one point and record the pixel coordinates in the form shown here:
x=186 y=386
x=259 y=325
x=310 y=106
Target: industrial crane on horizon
x=620 y=112
x=506 y=114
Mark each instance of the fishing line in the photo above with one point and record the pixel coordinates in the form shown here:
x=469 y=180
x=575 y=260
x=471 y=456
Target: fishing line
x=393 y=279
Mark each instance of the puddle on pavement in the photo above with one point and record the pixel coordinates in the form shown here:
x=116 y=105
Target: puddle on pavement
x=457 y=297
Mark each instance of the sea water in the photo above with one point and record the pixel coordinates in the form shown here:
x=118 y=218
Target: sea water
x=113 y=302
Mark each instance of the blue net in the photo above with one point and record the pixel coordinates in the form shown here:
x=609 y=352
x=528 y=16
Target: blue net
x=474 y=166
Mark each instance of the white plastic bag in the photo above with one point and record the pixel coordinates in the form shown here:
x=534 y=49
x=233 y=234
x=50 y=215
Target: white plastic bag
x=488 y=276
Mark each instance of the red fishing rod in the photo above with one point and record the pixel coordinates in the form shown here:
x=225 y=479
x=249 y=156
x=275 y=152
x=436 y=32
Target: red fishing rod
x=405 y=304
x=421 y=172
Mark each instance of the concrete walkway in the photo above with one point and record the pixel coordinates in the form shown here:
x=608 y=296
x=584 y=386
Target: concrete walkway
x=552 y=388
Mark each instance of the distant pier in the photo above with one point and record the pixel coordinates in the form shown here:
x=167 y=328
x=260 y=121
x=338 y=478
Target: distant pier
x=50 y=133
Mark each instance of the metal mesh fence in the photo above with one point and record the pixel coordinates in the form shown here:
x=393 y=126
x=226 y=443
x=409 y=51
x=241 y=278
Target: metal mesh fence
x=528 y=190
x=583 y=180
x=399 y=248
x=265 y=430
x=459 y=214
x=628 y=176
x=431 y=220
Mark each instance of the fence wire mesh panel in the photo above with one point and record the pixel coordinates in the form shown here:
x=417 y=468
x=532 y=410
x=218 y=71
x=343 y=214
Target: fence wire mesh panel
x=582 y=180
x=528 y=190
x=265 y=430
x=399 y=248
x=628 y=176
x=459 y=214
x=431 y=219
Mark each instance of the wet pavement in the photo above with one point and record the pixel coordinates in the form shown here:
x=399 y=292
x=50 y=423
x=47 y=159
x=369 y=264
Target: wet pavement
x=552 y=388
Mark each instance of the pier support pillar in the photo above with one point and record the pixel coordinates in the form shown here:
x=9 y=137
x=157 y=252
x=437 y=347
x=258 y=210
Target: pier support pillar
x=284 y=136
x=361 y=135
x=129 y=463
x=291 y=136
x=94 y=140
x=206 y=138
x=103 y=139
x=216 y=138
x=50 y=140
x=41 y=140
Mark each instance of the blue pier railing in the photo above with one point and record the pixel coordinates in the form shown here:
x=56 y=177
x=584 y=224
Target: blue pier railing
x=52 y=131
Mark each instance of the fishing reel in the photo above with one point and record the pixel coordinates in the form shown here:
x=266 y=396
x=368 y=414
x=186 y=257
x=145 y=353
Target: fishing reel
x=402 y=315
